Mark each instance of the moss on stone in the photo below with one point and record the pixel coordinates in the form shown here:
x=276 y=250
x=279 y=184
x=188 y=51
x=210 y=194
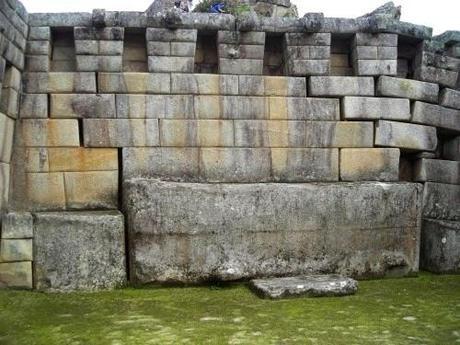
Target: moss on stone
x=423 y=310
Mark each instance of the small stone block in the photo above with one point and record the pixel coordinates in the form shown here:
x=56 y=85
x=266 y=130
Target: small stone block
x=16 y=275
x=341 y=86
x=15 y=250
x=17 y=225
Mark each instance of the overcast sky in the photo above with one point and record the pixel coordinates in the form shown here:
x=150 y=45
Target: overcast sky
x=441 y=15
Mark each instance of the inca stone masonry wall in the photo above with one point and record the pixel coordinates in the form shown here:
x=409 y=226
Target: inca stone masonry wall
x=170 y=147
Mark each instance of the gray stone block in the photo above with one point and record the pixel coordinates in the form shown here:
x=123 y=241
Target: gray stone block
x=17 y=225
x=341 y=86
x=249 y=85
x=381 y=40
x=405 y=136
x=308 y=52
x=436 y=170
x=375 y=53
x=60 y=82
x=434 y=115
x=6 y=138
x=160 y=64
x=38 y=33
x=204 y=84
x=451 y=148
x=308 y=286
x=257 y=133
x=440 y=246
x=405 y=88
x=234 y=231
x=241 y=107
x=13 y=250
x=120 y=132
x=308 y=67
x=437 y=75
x=34 y=105
x=168 y=35
x=159 y=48
x=450 y=98
x=99 y=63
x=82 y=106
x=240 y=66
x=60 y=19
x=92 y=33
x=376 y=67
x=183 y=49
x=365 y=108
x=285 y=86
x=308 y=39
x=133 y=82
x=37 y=63
x=79 y=251
x=140 y=106
x=16 y=275
x=4 y=185
x=94 y=47
x=38 y=48
x=440 y=201
x=240 y=37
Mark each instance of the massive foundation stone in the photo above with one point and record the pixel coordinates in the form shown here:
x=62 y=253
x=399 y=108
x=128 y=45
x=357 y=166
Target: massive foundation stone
x=186 y=232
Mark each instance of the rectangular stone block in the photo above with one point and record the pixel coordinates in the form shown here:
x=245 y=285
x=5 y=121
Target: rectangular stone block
x=383 y=40
x=307 y=52
x=287 y=108
x=93 y=33
x=49 y=133
x=38 y=33
x=376 y=67
x=251 y=85
x=15 y=250
x=236 y=107
x=405 y=88
x=6 y=138
x=170 y=163
x=437 y=75
x=405 y=136
x=94 y=47
x=178 y=107
x=99 y=63
x=270 y=229
x=375 y=53
x=241 y=37
x=159 y=48
x=36 y=159
x=17 y=225
x=79 y=251
x=341 y=86
x=240 y=165
x=441 y=200
x=440 y=246
x=37 y=63
x=120 y=132
x=436 y=170
x=141 y=106
x=16 y=275
x=12 y=78
x=450 y=98
x=38 y=48
x=164 y=64
x=451 y=148
x=4 y=184
x=168 y=35
x=44 y=191
x=367 y=108
x=91 y=190
x=434 y=115
x=82 y=106
x=34 y=105
x=133 y=82
x=81 y=159
x=285 y=86
x=305 y=165
x=339 y=134
x=308 y=67
x=204 y=84
x=241 y=66
x=60 y=82
x=308 y=39
x=369 y=164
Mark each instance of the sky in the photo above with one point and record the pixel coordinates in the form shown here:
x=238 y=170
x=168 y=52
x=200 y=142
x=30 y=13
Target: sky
x=441 y=15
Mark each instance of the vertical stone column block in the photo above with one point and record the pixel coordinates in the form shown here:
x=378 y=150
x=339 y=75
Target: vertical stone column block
x=375 y=54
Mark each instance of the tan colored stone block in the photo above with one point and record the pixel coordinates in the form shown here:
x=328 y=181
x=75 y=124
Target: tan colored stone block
x=134 y=82
x=82 y=159
x=91 y=190
x=372 y=164
x=278 y=108
x=268 y=133
x=4 y=184
x=285 y=86
x=15 y=250
x=304 y=165
x=45 y=191
x=9 y=102
x=207 y=107
x=36 y=159
x=6 y=138
x=189 y=133
x=16 y=274
x=49 y=133
x=60 y=82
x=339 y=134
x=82 y=106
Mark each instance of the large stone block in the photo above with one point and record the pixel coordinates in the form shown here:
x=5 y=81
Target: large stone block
x=308 y=39
x=205 y=133
x=6 y=138
x=9 y=102
x=239 y=165
x=259 y=133
x=369 y=164
x=241 y=37
x=440 y=201
x=168 y=163
x=79 y=251
x=297 y=108
x=104 y=34
x=81 y=159
x=82 y=106
x=450 y=98
x=241 y=66
x=44 y=191
x=134 y=82
x=440 y=246
x=16 y=275
x=285 y=86
x=305 y=165
x=204 y=84
x=380 y=39
x=39 y=33
x=15 y=250
x=167 y=35
x=99 y=63
x=308 y=67
x=60 y=82
x=375 y=53
x=405 y=88
x=141 y=106
x=37 y=63
x=94 y=47
x=366 y=108
x=436 y=170
x=164 y=64
x=91 y=190
x=376 y=67
x=233 y=231
x=238 y=107
x=341 y=86
x=34 y=105
x=38 y=48
x=251 y=85
x=437 y=75
x=339 y=134
x=17 y=225
x=120 y=132
x=38 y=132
x=434 y=115
x=405 y=136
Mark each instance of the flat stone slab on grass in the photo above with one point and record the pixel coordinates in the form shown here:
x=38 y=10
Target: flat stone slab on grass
x=310 y=286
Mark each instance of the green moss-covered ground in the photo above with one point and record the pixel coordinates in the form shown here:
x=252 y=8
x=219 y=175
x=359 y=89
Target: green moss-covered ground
x=423 y=310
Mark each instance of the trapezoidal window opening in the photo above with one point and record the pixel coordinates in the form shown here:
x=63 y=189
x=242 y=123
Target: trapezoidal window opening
x=206 y=60
x=63 y=50
x=274 y=55
x=407 y=52
x=135 y=50
x=341 y=55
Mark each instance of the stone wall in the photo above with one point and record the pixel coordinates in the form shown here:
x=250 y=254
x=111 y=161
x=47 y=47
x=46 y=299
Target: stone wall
x=234 y=148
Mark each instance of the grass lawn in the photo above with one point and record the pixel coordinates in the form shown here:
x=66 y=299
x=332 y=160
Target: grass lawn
x=423 y=310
